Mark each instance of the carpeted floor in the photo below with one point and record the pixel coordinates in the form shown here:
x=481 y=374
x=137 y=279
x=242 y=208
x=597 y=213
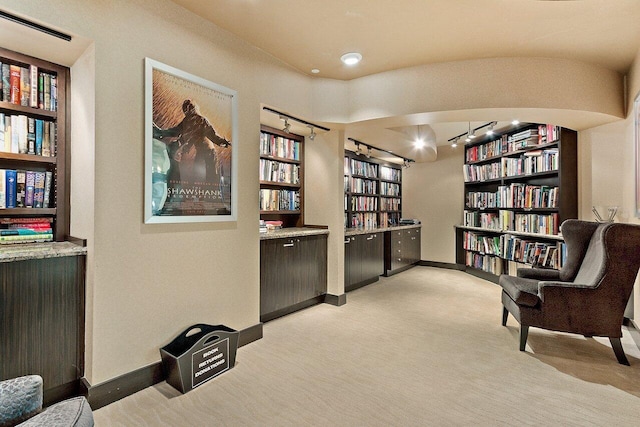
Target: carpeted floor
x=422 y=348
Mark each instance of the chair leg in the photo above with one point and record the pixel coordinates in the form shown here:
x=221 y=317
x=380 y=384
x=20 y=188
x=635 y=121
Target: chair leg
x=524 y=333
x=505 y=314
x=617 y=349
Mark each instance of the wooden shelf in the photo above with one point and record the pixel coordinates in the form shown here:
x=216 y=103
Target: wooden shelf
x=31 y=158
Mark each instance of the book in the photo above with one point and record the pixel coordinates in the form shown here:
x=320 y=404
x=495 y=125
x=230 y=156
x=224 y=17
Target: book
x=46 y=142
x=1 y=81
x=33 y=99
x=41 y=90
x=22 y=134
x=31 y=135
x=38 y=189
x=24 y=231
x=3 y=187
x=6 y=82
x=30 y=180
x=25 y=87
x=14 y=134
x=14 y=81
x=48 y=178
x=47 y=91
x=21 y=177
x=1 y=131
x=54 y=93
x=52 y=139
x=38 y=140
x=10 y=192
x=45 y=237
x=7 y=134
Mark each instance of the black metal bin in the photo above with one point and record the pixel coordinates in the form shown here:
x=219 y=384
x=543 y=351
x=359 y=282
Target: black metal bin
x=199 y=354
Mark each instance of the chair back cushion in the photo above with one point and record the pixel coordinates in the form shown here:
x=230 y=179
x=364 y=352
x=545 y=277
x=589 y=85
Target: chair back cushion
x=577 y=235
x=593 y=263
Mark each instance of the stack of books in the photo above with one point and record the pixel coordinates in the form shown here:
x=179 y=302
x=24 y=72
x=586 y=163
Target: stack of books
x=25 y=230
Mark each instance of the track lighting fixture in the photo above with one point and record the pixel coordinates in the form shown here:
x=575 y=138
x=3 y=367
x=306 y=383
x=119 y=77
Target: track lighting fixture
x=470 y=134
x=454 y=144
x=490 y=129
x=369 y=148
x=287 y=125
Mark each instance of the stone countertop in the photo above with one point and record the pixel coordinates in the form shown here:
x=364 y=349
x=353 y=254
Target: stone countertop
x=283 y=233
x=27 y=251
x=358 y=231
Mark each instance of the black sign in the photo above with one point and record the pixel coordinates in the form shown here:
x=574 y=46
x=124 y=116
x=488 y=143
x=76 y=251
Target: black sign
x=209 y=362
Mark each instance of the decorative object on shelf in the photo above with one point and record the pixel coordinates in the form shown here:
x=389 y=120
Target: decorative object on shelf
x=190 y=147
x=604 y=213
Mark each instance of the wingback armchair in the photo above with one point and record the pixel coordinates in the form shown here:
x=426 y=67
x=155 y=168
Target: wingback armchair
x=21 y=405
x=589 y=294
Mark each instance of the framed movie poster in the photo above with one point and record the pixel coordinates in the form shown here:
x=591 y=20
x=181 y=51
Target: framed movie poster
x=190 y=147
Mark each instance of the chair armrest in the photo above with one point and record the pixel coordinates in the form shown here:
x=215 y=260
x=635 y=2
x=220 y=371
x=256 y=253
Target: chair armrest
x=539 y=273
x=564 y=290
x=20 y=399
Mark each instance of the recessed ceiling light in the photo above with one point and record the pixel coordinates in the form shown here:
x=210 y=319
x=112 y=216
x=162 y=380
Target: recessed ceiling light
x=351 y=58
x=315 y=71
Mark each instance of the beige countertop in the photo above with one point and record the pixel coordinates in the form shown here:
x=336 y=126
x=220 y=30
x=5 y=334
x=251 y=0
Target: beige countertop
x=293 y=232
x=27 y=251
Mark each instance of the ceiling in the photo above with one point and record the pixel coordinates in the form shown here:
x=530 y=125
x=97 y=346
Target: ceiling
x=308 y=34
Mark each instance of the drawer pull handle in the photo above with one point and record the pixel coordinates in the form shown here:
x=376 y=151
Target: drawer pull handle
x=347 y=241
x=288 y=245
x=370 y=238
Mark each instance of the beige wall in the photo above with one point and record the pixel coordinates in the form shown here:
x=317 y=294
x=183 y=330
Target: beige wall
x=434 y=193
x=148 y=282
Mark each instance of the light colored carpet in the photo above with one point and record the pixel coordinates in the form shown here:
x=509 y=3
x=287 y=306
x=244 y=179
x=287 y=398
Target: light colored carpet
x=424 y=347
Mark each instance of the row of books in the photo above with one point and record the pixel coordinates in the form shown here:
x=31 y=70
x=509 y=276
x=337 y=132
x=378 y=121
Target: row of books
x=514 y=248
x=505 y=220
x=390 y=174
x=27 y=135
x=389 y=204
x=25 y=189
x=488 y=263
x=279 y=200
x=274 y=171
x=543 y=134
x=364 y=169
x=360 y=185
x=389 y=218
x=363 y=203
x=28 y=86
x=515 y=196
x=531 y=162
x=25 y=230
x=361 y=220
x=389 y=189
x=277 y=146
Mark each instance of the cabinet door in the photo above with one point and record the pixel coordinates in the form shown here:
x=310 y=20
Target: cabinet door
x=416 y=246
x=311 y=262
x=347 y=261
x=373 y=260
x=277 y=274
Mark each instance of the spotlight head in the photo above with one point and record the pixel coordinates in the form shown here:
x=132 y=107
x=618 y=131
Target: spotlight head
x=287 y=126
x=312 y=135
x=368 y=152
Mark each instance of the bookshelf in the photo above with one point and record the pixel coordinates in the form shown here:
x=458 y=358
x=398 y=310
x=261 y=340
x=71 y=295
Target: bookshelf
x=281 y=177
x=520 y=185
x=34 y=143
x=372 y=192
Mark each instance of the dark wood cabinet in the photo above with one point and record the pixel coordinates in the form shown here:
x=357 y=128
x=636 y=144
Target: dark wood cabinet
x=364 y=259
x=293 y=274
x=42 y=322
x=402 y=250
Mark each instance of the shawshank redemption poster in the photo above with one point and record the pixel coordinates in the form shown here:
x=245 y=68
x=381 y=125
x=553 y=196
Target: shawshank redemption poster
x=191 y=147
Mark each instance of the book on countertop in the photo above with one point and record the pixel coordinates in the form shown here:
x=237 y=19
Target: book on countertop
x=40 y=220
x=28 y=238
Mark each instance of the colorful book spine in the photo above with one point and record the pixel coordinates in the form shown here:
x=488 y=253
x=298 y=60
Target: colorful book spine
x=15 y=131
x=7 y=133
x=23 y=140
x=46 y=139
x=48 y=178
x=31 y=135
x=25 y=87
x=10 y=192
x=15 y=84
x=1 y=131
x=38 y=140
x=6 y=82
x=38 y=190
x=30 y=181
x=21 y=177
x=33 y=99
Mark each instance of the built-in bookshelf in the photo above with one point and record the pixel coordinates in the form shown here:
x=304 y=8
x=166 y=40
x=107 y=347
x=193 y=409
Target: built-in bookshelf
x=372 y=192
x=520 y=184
x=34 y=154
x=281 y=177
